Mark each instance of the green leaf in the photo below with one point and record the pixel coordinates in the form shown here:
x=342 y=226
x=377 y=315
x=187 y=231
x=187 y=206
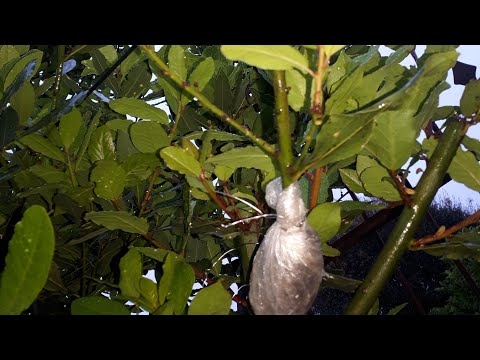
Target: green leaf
x=325 y=220
x=374 y=309
x=343 y=136
x=137 y=82
x=27 y=264
x=119 y=124
x=43 y=146
x=148 y=136
x=8 y=126
x=210 y=135
x=246 y=157
x=199 y=77
x=23 y=102
x=211 y=300
x=156 y=254
x=140 y=109
x=139 y=167
x=332 y=49
x=364 y=162
x=330 y=251
x=465 y=169
x=176 y=61
x=20 y=66
x=202 y=74
x=109 y=178
x=119 y=220
x=181 y=160
x=49 y=174
x=176 y=282
x=391 y=149
x=461 y=246
x=267 y=57
x=374 y=182
x=338 y=282
x=397 y=309
x=101 y=145
x=69 y=128
x=148 y=290
x=472 y=145
x=130 y=274
x=214 y=252
x=470 y=101
x=297 y=83
x=98 y=305
x=109 y=52
x=7 y=53
x=351 y=180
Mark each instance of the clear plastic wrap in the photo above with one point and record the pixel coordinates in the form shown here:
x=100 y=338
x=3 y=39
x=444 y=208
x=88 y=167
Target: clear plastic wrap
x=288 y=266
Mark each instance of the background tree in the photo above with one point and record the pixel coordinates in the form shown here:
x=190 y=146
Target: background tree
x=119 y=187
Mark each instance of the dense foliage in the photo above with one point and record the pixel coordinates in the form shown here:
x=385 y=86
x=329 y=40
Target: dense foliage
x=100 y=184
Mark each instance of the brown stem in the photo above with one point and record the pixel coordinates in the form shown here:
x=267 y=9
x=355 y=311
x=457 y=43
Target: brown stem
x=219 y=201
x=437 y=236
x=317 y=181
x=148 y=192
x=401 y=188
x=153 y=241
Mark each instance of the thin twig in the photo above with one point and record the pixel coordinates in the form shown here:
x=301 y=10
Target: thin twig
x=316 y=183
x=448 y=232
x=165 y=71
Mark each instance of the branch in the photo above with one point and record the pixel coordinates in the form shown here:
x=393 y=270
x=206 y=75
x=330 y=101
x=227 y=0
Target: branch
x=409 y=220
x=285 y=157
x=317 y=181
x=402 y=189
x=165 y=71
x=448 y=232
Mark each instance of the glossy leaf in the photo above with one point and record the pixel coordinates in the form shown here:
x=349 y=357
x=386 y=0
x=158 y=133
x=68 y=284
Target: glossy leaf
x=23 y=101
x=267 y=57
x=21 y=64
x=137 y=82
x=17 y=83
x=343 y=136
x=470 y=101
x=176 y=282
x=211 y=300
x=461 y=246
x=391 y=149
x=332 y=49
x=119 y=124
x=69 y=127
x=176 y=61
x=297 y=82
x=472 y=145
x=246 y=157
x=49 y=174
x=351 y=180
x=325 y=219
x=130 y=274
x=109 y=178
x=139 y=108
x=7 y=54
x=148 y=136
x=27 y=264
x=397 y=309
x=199 y=77
x=338 y=282
x=156 y=254
x=101 y=146
x=373 y=179
x=119 y=220
x=98 y=305
x=464 y=167
x=181 y=160
x=148 y=290
x=43 y=146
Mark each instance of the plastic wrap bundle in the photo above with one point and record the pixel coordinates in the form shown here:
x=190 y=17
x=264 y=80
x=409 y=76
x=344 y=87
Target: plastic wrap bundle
x=288 y=266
